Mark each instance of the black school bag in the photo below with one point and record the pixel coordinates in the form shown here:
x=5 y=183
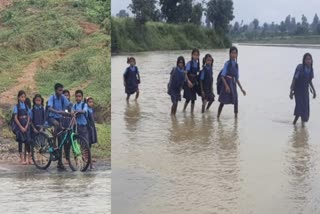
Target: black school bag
x=219 y=79
x=170 y=80
x=13 y=125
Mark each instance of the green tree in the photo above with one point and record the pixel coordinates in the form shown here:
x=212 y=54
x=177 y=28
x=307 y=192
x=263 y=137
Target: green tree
x=122 y=14
x=144 y=10
x=220 y=13
x=255 y=24
x=196 y=15
x=176 y=11
x=283 y=27
x=315 y=23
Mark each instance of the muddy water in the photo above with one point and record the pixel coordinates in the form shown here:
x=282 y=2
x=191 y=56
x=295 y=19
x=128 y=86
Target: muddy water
x=259 y=163
x=25 y=189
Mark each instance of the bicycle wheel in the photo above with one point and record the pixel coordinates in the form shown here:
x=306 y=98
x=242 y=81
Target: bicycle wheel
x=79 y=154
x=40 y=151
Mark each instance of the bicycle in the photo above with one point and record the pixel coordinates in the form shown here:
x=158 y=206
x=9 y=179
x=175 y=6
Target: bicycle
x=77 y=151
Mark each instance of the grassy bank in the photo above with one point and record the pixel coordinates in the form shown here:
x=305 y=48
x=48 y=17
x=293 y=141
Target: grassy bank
x=283 y=40
x=70 y=40
x=128 y=36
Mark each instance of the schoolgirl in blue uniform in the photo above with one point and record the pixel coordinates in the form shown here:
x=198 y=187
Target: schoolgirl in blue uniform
x=22 y=119
x=38 y=113
x=177 y=80
x=230 y=80
x=301 y=82
x=93 y=137
x=66 y=119
x=206 y=82
x=131 y=79
x=193 y=68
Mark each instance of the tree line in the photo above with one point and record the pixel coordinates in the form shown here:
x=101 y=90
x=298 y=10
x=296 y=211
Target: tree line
x=288 y=27
x=218 y=13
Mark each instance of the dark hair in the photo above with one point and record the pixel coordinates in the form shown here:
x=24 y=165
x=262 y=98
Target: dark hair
x=86 y=100
x=79 y=92
x=38 y=96
x=195 y=50
x=304 y=59
x=20 y=93
x=129 y=59
x=234 y=48
x=28 y=102
x=58 y=85
x=66 y=91
x=205 y=59
x=181 y=58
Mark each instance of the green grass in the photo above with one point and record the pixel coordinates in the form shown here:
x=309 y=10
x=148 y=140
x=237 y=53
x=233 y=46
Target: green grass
x=128 y=36
x=30 y=29
x=103 y=148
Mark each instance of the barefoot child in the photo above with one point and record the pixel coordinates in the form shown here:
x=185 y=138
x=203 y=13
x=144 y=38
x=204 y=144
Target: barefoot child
x=22 y=119
x=193 y=68
x=93 y=138
x=131 y=79
x=206 y=82
x=230 y=79
x=177 y=80
x=301 y=82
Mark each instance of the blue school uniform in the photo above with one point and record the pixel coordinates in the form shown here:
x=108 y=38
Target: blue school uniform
x=192 y=68
x=23 y=113
x=60 y=104
x=82 y=121
x=303 y=77
x=131 y=79
x=38 y=116
x=230 y=73
x=176 y=83
x=93 y=138
x=206 y=76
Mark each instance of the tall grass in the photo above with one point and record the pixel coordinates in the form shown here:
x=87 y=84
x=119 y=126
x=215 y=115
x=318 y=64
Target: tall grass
x=128 y=36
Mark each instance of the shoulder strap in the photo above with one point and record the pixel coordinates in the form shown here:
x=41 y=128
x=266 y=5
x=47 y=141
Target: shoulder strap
x=82 y=105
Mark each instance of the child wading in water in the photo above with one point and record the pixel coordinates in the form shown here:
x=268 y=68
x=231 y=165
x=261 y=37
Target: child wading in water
x=22 y=119
x=206 y=82
x=177 y=80
x=300 y=88
x=227 y=85
x=131 y=79
x=93 y=138
x=193 y=68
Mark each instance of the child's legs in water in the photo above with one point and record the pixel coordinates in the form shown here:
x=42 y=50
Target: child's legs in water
x=236 y=108
x=209 y=104
x=220 y=109
x=204 y=103
x=186 y=104
x=137 y=94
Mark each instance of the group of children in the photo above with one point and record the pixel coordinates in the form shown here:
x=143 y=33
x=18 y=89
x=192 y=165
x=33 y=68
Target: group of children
x=196 y=81
x=28 y=118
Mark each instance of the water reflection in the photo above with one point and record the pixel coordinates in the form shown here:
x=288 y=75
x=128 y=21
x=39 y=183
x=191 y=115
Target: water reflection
x=299 y=157
x=132 y=115
x=228 y=169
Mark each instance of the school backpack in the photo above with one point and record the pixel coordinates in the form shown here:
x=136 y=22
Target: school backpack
x=170 y=80
x=219 y=79
x=13 y=125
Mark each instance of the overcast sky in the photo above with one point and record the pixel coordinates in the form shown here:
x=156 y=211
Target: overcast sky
x=264 y=10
